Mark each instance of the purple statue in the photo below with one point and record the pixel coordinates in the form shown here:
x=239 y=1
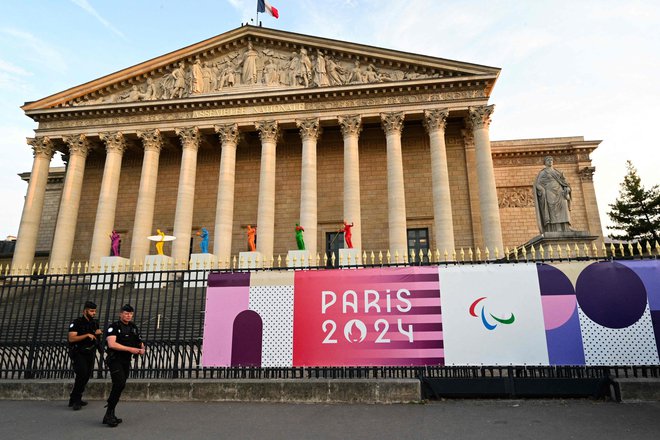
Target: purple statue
x=115 y=238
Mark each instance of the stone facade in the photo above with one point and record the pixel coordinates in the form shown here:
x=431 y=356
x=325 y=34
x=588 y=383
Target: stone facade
x=383 y=129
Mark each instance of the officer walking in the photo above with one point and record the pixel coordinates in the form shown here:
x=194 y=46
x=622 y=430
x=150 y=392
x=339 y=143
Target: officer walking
x=122 y=340
x=83 y=342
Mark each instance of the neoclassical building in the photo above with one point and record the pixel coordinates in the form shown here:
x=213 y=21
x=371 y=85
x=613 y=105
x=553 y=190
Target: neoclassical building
x=269 y=128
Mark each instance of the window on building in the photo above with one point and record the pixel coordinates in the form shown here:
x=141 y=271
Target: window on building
x=418 y=240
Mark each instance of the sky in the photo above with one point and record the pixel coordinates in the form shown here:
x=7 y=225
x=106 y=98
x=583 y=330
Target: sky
x=569 y=68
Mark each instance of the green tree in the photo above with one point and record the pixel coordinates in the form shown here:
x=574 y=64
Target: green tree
x=636 y=212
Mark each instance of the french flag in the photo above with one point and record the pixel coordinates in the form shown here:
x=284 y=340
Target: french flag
x=263 y=6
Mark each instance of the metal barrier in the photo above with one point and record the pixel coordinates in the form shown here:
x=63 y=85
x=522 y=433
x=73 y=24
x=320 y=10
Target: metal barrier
x=35 y=311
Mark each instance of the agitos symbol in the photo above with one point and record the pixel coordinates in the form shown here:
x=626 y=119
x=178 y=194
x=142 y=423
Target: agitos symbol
x=485 y=322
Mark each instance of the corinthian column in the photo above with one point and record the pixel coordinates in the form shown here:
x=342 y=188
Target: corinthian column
x=396 y=196
x=65 y=228
x=490 y=212
x=26 y=241
x=268 y=132
x=224 y=211
x=435 y=121
x=309 y=132
x=115 y=145
x=144 y=211
x=350 y=129
x=185 y=199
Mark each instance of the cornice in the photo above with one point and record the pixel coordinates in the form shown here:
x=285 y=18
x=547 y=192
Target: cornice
x=478 y=83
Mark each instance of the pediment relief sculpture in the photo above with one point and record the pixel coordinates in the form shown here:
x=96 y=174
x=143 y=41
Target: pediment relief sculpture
x=256 y=67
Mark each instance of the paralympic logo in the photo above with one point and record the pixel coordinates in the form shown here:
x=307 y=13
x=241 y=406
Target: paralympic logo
x=484 y=320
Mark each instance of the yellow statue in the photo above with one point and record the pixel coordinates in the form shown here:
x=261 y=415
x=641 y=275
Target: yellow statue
x=159 y=244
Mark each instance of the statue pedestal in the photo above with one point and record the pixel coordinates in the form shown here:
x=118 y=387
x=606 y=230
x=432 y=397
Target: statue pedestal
x=349 y=257
x=561 y=239
x=154 y=272
x=250 y=260
x=298 y=259
x=200 y=266
x=110 y=265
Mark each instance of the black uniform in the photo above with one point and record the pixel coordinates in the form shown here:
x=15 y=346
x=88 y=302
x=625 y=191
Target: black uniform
x=119 y=362
x=82 y=354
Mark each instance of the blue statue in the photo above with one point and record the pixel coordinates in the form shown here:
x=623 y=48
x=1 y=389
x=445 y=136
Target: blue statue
x=204 y=244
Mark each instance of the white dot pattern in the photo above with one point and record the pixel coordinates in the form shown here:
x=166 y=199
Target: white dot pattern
x=634 y=345
x=275 y=306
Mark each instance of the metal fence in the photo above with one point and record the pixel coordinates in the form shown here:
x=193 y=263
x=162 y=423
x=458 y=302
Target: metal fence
x=35 y=312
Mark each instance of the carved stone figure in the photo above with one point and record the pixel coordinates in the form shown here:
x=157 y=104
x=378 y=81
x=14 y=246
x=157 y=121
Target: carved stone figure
x=335 y=72
x=292 y=68
x=228 y=76
x=133 y=95
x=304 y=74
x=208 y=77
x=271 y=75
x=197 y=77
x=249 y=65
x=553 y=199
x=151 y=91
x=175 y=83
x=356 y=76
x=320 y=71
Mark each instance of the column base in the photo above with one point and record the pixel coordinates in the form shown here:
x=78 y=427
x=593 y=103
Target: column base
x=110 y=265
x=298 y=259
x=250 y=260
x=349 y=257
x=200 y=265
x=153 y=275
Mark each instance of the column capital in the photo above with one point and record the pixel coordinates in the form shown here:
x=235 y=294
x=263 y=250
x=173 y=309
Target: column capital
x=392 y=122
x=268 y=130
x=228 y=133
x=468 y=136
x=78 y=144
x=309 y=128
x=435 y=119
x=480 y=115
x=114 y=141
x=42 y=146
x=351 y=125
x=189 y=137
x=151 y=139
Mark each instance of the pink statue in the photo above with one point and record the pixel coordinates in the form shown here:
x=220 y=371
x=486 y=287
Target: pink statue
x=346 y=229
x=252 y=235
x=115 y=239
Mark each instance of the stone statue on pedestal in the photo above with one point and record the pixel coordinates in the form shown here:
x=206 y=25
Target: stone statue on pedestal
x=300 y=241
x=252 y=236
x=115 y=240
x=552 y=199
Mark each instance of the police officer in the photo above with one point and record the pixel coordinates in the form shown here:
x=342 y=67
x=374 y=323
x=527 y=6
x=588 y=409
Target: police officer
x=122 y=340
x=83 y=343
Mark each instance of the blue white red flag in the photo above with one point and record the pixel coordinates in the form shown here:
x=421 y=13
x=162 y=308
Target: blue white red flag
x=263 y=6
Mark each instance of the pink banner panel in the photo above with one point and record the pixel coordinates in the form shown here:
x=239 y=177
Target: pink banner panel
x=367 y=317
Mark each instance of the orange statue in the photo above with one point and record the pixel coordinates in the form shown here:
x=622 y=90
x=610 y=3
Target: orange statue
x=252 y=236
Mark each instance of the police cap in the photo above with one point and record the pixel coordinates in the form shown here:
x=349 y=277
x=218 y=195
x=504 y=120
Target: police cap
x=90 y=305
x=127 y=308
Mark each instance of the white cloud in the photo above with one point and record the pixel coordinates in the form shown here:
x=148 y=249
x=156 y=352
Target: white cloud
x=31 y=48
x=84 y=5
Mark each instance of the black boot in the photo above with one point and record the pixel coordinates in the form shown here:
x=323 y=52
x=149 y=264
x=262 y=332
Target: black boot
x=117 y=419
x=110 y=419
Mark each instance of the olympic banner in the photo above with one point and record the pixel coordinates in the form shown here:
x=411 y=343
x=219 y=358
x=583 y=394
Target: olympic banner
x=577 y=313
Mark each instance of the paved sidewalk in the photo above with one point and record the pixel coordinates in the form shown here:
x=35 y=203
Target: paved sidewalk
x=457 y=419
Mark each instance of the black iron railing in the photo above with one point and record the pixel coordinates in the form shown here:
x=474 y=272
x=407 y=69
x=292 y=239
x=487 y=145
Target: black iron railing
x=35 y=312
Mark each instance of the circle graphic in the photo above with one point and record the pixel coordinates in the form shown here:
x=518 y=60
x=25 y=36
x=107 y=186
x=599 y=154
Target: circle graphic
x=350 y=335
x=611 y=294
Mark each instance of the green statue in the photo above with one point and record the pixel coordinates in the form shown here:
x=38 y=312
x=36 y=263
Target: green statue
x=299 y=237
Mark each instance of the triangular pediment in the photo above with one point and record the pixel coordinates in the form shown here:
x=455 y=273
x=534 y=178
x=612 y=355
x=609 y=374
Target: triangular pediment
x=253 y=59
